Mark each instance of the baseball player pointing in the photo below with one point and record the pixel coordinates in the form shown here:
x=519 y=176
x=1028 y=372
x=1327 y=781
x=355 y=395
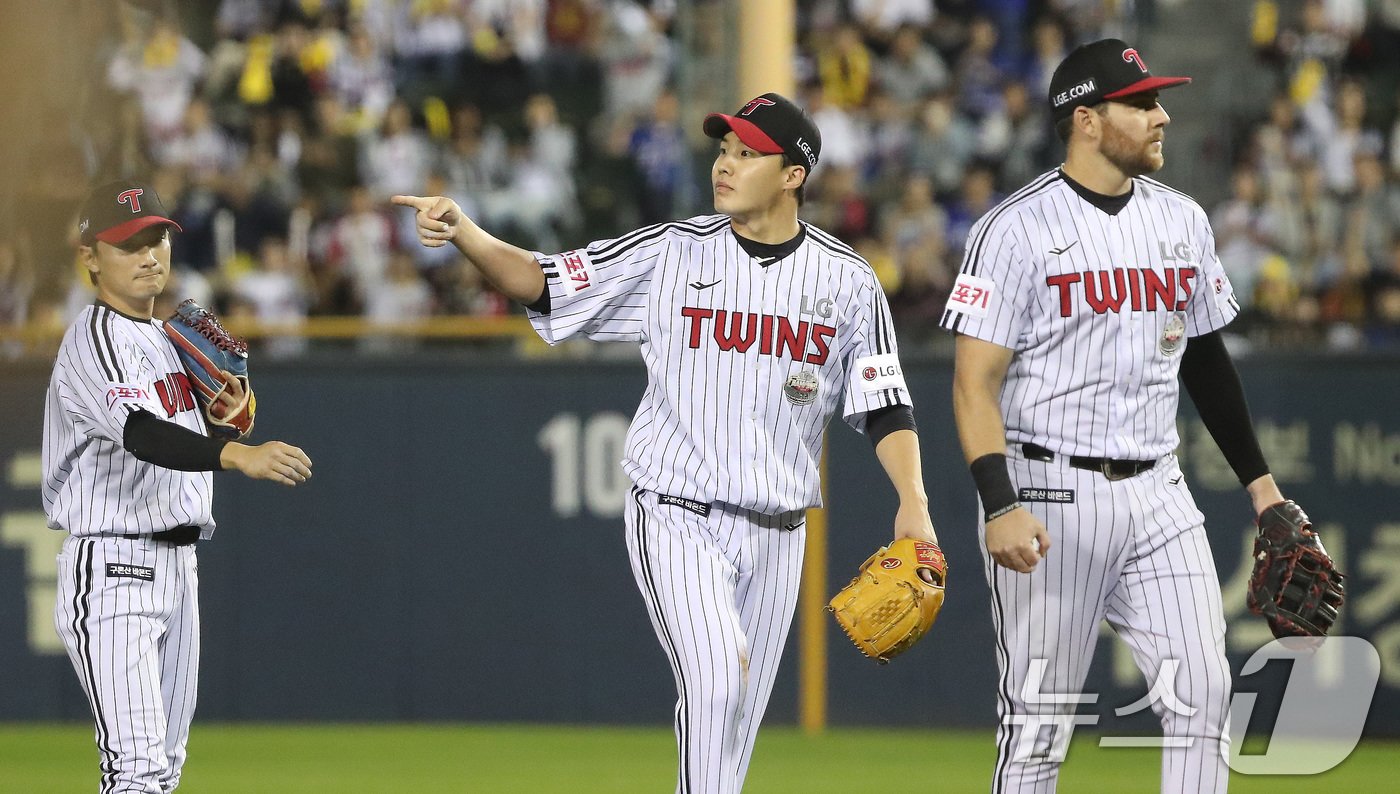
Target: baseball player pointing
x=127 y=460
x=755 y=328
x=1082 y=298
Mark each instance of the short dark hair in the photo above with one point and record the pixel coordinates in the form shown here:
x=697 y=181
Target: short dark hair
x=802 y=189
x=1066 y=124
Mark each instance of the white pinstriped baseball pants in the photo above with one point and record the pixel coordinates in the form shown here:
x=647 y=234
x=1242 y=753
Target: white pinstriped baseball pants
x=133 y=639
x=721 y=590
x=1132 y=552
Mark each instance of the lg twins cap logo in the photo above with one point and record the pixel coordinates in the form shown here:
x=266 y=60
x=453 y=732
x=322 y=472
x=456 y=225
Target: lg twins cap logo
x=573 y=270
x=131 y=198
x=1130 y=55
x=755 y=104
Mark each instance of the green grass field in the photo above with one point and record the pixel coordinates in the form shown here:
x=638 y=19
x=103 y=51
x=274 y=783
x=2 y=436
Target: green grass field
x=501 y=759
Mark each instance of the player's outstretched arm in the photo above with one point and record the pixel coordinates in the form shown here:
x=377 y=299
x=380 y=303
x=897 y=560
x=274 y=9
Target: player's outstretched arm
x=899 y=455
x=511 y=270
x=1015 y=538
x=272 y=460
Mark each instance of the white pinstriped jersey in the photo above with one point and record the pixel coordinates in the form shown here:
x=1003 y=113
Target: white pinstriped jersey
x=109 y=365
x=747 y=359
x=1098 y=308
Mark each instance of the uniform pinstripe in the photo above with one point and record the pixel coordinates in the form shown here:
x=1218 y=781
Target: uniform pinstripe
x=1098 y=307
x=747 y=359
x=127 y=607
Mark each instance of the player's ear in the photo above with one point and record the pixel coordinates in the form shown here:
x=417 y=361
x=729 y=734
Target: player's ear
x=87 y=255
x=795 y=177
x=1089 y=120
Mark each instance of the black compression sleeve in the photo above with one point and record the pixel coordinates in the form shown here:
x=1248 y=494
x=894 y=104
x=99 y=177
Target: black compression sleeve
x=883 y=421
x=170 y=446
x=1211 y=379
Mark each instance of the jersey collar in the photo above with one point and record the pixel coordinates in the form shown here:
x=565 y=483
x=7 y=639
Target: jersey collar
x=769 y=253
x=110 y=307
x=1111 y=205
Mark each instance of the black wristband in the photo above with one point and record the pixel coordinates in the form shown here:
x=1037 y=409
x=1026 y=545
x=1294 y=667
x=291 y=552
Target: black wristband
x=994 y=484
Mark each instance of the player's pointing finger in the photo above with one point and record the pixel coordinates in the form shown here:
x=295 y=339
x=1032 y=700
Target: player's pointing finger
x=417 y=202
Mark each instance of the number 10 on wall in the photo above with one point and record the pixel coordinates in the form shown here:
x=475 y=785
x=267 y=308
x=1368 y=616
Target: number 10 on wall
x=586 y=463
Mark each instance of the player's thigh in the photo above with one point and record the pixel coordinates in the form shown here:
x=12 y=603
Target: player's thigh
x=1170 y=587
x=686 y=579
x=1169 y=612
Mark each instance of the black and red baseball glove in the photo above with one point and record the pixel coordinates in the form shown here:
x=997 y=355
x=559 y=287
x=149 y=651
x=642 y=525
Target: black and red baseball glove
x=1294 y=586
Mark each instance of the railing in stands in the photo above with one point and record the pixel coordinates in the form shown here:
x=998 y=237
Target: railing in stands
x=40 y=337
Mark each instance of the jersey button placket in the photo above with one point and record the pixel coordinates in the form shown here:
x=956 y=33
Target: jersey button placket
x=1124 y=345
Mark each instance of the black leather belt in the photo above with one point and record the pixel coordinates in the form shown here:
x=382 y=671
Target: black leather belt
x=1112 y=468
x=179 y=536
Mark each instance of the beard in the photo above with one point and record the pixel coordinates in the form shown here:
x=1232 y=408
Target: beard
x=1127 y=155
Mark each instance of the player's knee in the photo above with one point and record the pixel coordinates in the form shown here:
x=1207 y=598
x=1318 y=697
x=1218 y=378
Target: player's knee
x=1202 y=705
x=721 y=695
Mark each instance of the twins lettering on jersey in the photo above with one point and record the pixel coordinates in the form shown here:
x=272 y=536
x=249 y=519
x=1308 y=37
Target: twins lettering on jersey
x=176 y=393
x=737 y=331
x=174 y=390
x=1103 y=291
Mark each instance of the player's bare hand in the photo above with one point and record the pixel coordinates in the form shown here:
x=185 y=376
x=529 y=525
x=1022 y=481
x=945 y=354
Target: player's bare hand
x=272 y=460
x=912 y=521
x=230 y=399
x=1017 y=540
x=438 y=218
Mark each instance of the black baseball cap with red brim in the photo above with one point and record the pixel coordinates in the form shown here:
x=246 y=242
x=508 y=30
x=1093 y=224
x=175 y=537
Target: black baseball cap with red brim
x=1102 y=70
x=771 y=124
x=115 y=211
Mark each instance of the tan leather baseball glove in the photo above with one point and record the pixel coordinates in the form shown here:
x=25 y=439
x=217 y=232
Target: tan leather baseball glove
x=894 y=599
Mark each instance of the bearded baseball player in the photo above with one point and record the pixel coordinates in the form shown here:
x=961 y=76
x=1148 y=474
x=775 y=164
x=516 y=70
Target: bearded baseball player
x=754 y=328
x=1081 y=299
x=127 y=459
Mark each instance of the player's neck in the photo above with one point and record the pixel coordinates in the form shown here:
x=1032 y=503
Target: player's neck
x=774 y=227
x=1095 y=172
x=137 y=309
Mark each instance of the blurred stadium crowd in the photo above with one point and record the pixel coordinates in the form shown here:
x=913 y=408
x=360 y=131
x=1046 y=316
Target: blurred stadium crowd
x=276 y=130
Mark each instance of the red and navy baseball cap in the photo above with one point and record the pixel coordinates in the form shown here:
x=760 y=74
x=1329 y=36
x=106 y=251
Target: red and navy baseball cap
x=1099 y=71
x=772 y=124
x=115 y=211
